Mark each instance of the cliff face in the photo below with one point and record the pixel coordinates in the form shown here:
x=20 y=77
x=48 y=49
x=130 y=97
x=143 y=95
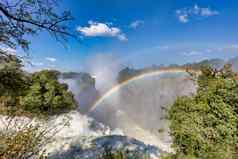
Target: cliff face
x=83 y=87
x=234 y=63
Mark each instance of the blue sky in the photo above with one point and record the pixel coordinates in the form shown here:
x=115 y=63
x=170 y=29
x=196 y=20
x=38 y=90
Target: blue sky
x=141 y=33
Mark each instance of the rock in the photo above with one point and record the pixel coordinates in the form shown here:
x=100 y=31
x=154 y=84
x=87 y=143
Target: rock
x=125 y=144
x=83 y=87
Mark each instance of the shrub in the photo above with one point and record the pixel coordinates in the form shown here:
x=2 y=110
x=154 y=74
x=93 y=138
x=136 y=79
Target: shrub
x=21 y=140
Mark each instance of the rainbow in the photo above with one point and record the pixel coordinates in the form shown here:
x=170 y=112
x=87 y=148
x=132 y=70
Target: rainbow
x=141 y=76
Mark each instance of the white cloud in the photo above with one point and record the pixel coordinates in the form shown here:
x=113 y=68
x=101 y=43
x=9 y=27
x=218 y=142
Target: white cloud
x=37 y=63
x=136 y=24
x=162 y=47
x=183 y=18
x=51 y=65
x=185 y=14
x=208 y=12
x=192 y=53
x=51 y=59
x=122 y=37
x=227 y=47
x=234 y=46
x=96 y=29
x=209 y=50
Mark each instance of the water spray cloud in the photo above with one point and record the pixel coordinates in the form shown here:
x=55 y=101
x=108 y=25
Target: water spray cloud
x=141 y=76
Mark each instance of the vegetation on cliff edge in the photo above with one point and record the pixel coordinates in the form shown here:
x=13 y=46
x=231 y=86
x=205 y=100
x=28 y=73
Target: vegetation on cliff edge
x=205 y=126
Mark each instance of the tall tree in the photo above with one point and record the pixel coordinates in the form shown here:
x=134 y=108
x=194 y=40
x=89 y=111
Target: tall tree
x=47 y=96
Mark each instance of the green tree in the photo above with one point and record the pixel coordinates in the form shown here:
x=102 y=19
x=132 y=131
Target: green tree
x=205 y=126
x=46 y=95
x=13 y=81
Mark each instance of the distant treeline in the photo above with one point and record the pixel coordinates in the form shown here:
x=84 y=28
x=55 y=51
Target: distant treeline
x=128 y=72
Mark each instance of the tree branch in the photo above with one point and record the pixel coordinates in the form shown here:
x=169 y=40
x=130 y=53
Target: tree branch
x=40 y=25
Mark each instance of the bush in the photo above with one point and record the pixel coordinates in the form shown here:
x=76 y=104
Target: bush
x=20 y=140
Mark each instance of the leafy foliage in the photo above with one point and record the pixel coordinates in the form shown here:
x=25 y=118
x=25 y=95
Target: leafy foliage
x=12 y=78
x=47 y=95
x=205 y=126
x=37 y=93
x=13 y=81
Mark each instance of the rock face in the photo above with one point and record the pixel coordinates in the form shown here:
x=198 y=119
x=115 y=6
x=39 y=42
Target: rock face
x=83 y=87
x=125 y=144
x=234 y=63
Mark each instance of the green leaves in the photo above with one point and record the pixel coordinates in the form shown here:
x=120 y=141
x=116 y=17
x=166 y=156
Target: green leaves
x=39 y=93
x=46 y=95
x=205 y=126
